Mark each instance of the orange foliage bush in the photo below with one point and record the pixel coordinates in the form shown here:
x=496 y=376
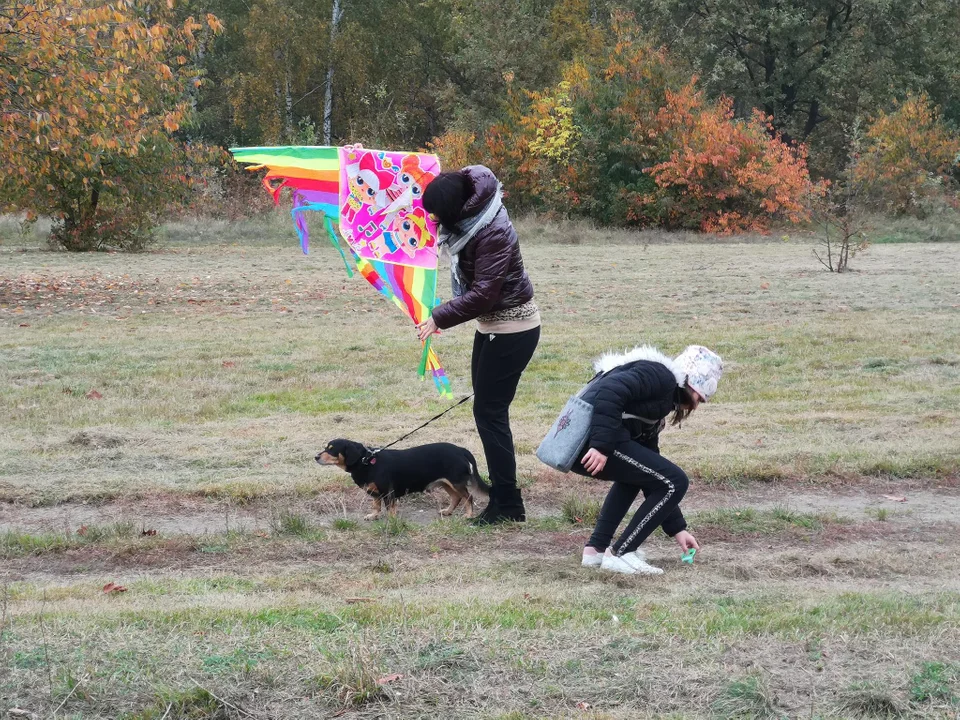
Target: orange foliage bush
x=455 y=149
x=626 y=139
x=725 y=175
x=909 y=158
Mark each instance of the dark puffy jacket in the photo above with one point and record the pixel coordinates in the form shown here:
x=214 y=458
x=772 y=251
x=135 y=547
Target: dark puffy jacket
x=491 y=264
x=642 y=384
x=645 y=389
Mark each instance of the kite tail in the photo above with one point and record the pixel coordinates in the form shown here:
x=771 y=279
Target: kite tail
x=422 y=369
x=336 y=243
x=439 y=375
x=300 y=222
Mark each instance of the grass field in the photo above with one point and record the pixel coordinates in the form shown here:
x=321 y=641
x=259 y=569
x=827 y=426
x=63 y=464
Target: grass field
x=185 y=391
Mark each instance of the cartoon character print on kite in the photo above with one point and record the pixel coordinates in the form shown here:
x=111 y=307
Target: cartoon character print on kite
x=368 y=186
x=408 y=233
x=414 y=178
x=410 y=228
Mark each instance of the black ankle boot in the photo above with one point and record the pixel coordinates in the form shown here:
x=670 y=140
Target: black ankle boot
x=492 y=509
x=506 y=505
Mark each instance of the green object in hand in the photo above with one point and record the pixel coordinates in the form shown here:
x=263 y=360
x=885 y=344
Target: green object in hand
x=688 y=556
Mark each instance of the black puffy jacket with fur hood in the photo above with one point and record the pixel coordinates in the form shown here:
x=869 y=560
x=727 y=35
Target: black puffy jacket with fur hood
x=640 y=389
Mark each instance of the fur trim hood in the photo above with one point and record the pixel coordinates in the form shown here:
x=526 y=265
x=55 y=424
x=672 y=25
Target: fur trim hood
x=610 y=360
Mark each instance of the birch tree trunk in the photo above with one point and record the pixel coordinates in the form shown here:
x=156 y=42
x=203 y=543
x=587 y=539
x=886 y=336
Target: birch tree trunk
x=288 y=99
x=328 y=95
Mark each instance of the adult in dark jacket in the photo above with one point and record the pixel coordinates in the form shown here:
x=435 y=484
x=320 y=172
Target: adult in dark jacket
x=490 y=286
x=631 y=402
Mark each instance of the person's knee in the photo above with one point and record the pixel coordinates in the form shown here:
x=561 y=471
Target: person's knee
x=482 y=414
x=680 y=482
x=490 y=414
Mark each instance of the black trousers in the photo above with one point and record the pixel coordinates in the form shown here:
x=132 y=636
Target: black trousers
x=634 y=468
x=498 y=363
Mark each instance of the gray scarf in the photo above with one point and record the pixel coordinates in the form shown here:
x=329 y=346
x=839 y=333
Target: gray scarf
x=465 y=231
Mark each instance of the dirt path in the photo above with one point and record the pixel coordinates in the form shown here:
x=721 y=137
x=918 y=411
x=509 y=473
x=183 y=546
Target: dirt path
x=925 y=503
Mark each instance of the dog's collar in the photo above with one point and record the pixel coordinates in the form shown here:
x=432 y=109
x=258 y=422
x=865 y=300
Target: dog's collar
x=370 y=458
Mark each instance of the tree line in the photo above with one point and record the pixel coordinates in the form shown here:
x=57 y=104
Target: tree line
x=720 y=115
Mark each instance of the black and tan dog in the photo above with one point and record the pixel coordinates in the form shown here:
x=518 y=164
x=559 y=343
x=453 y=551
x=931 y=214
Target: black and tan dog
x=388 y=475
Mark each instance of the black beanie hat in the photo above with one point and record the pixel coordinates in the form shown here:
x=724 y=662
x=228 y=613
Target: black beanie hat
x=445 y=197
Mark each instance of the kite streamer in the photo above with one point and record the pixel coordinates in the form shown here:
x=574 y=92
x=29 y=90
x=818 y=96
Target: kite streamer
x=375 y=199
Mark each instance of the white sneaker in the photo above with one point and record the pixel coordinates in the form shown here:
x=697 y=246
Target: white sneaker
x=592 y=560
x=638 y=560
x=629 y=564
x=612 y=563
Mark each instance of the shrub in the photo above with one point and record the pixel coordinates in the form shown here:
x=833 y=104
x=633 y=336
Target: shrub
x=625 y=138
x=910 y=159
x=726 y=175
x=94 y=100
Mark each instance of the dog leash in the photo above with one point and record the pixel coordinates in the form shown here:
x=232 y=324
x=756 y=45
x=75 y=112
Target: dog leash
x=367 y=460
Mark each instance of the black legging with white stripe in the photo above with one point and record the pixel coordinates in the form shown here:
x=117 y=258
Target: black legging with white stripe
x=633 y=468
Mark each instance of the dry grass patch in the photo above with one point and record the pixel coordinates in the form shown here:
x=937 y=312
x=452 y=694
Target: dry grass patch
x=217 y=368
x=747 y=698
x=579 y=510
x=466 y=656
x=222 y=370
x=195 y=704
x=748 y=521
x=871 y=700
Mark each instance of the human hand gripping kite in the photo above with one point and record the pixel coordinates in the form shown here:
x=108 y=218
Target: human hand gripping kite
x=375 y=198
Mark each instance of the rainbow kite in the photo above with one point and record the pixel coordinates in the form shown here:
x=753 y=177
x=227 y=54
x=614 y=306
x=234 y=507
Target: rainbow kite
x=375 y=198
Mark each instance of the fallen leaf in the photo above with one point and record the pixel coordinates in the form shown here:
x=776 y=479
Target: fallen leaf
x=82 y=530
x=145 y=533
x=896 y=498
x=261 y=533
x=765 y=286
x=24 y=324
x=386 y=679
x=94 y=395
x=229 y=364
x=111 y=588
x=583 y=705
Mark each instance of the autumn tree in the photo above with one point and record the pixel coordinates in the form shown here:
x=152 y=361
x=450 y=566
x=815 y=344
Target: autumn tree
x=910 y=158
x=814 y=66
x=93 y=99
x=724 y=174
x=626 y=138
x=285 y=51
